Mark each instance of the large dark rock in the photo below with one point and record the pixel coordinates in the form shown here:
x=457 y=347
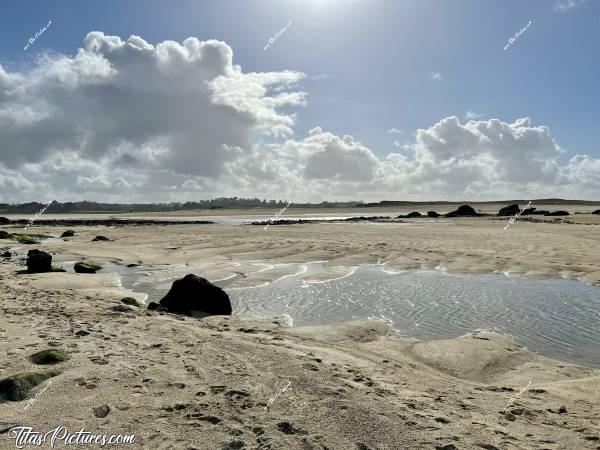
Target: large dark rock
x=68 y=233
x=432 y=214
x=4 y=234
x=463 y=211
x=557 y=213
x=510 y=210
x=513 y=210
x=596 y=212
x=6 y=254
x=194 y=293
x=4 y=221
x=413 y=214
x=39 y=261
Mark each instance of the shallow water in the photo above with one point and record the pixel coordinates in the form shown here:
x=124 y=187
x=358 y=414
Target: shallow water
x=556 y=317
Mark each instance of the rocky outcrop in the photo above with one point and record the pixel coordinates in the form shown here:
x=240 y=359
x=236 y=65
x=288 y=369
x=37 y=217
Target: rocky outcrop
x=39 y=261
x=4 y=221
x=596 y=212
x=510 y=210
x=463 y=211
x=513 y=210
x=413 y=214
x=196 y=294
x=432 y=214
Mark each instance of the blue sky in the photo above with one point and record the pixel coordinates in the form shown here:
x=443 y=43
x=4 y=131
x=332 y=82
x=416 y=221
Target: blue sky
x=376 y=55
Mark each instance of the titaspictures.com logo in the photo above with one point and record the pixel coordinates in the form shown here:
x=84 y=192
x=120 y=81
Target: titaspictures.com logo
x=25 y=436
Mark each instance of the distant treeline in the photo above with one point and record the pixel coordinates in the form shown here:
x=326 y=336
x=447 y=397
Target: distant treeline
x=217 y=203
x=235 y=202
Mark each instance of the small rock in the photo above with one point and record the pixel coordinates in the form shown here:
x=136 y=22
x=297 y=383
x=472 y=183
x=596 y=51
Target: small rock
x=288 y=428
x=121 y=309
x=82 y=267
x=101 y=411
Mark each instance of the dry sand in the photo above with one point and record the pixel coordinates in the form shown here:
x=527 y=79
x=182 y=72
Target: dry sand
x=182 y=383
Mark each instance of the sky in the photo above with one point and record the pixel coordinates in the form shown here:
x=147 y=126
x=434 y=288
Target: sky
x=299 y=100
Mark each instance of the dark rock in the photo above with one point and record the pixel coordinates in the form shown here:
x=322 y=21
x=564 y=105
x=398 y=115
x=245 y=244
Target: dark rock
x=130 y=301
x=510 y=210
x=413 y=214
x=68 y=233
x=432 y=214
x=6 y=254
x=596 y=212
x=39 y=261
x=121 y=308
x=288 y=428
x=100 y=238
x=463 y=211
x=101 y=411
x=562 y=410
x=4 y=234
x=153 y=306
x=82 y=267
x=446 y=447
x=133 y=265
x=234 y=445
x=513 y=210
x=194 y=293
x=557 y=213
x=50 y=356
x=4 y=221
x=442 y=420
x=82 y=333
x=15 y=388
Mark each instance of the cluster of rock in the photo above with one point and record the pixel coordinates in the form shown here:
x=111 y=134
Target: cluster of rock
x=462 y=211
x=514 y=209
x=469 y=211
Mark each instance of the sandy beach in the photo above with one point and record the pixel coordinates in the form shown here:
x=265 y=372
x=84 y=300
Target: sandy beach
x=229 y=382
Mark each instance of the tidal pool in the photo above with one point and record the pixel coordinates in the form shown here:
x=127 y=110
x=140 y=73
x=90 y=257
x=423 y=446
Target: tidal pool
x=556 y=317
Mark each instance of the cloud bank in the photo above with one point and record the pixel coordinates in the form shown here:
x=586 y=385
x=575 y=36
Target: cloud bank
x=125 y=120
